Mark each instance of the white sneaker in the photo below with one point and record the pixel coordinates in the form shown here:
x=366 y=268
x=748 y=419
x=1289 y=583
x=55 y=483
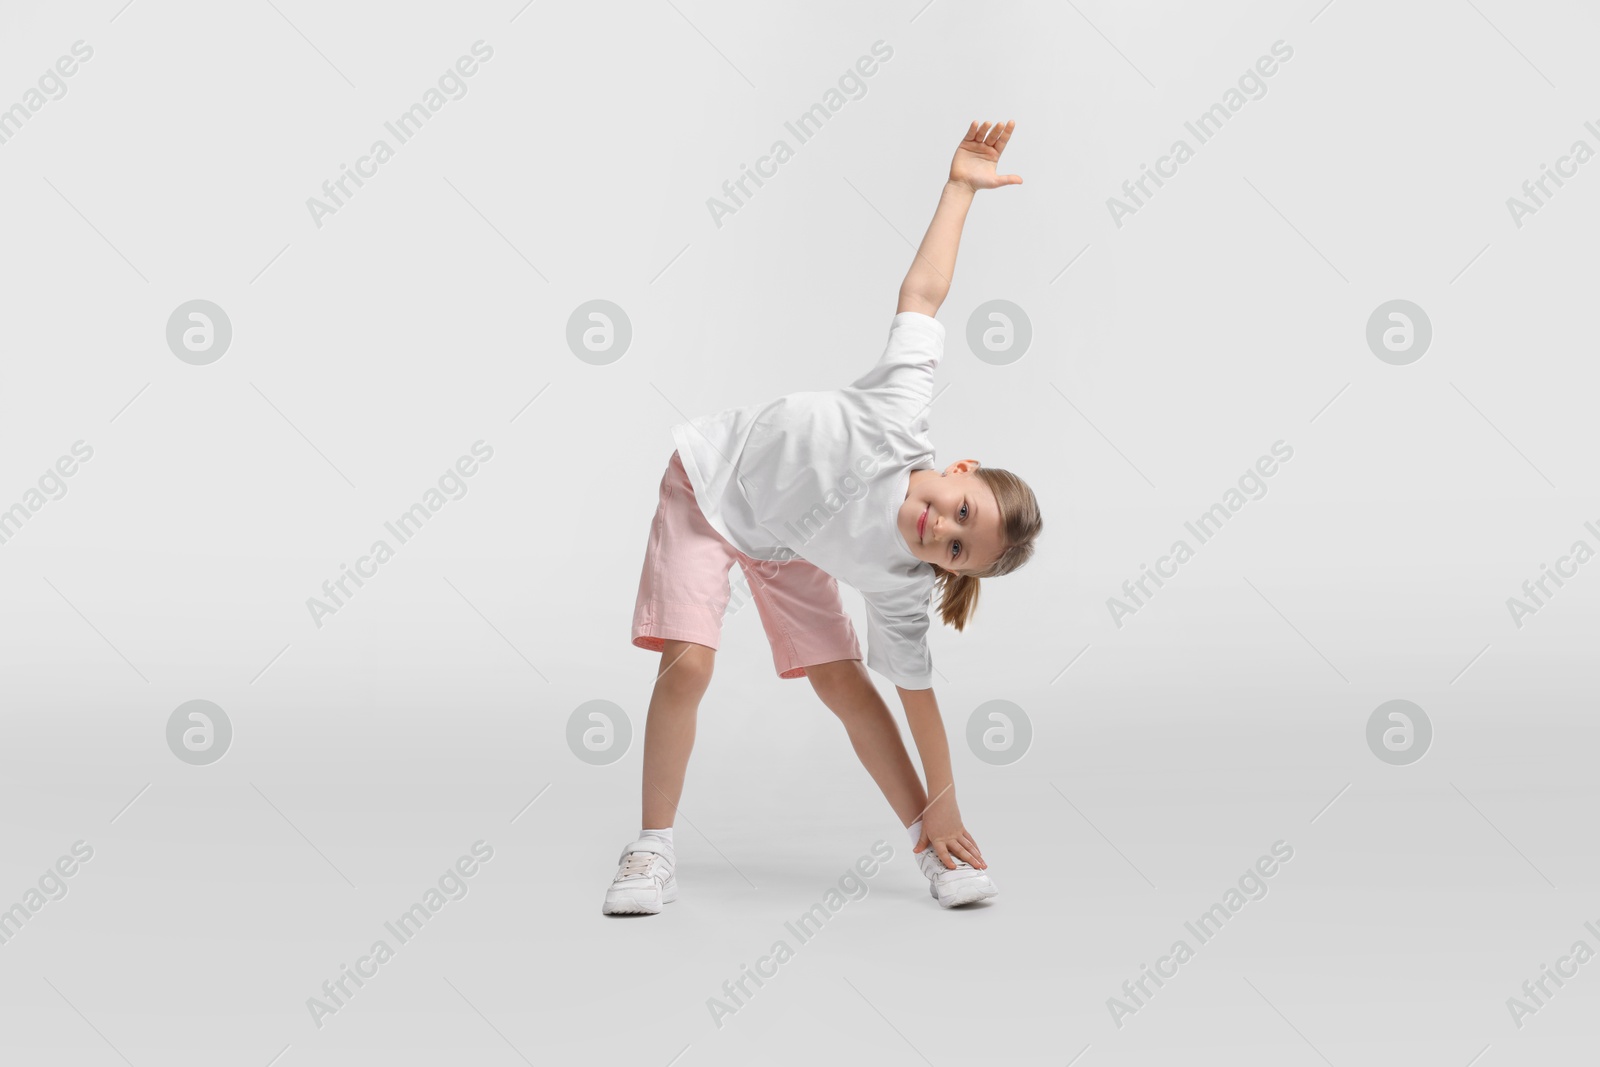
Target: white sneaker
x=644 y=880
x=951 y=888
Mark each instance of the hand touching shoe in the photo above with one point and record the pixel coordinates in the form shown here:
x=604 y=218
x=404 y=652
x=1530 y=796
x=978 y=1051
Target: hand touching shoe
x=943 y=832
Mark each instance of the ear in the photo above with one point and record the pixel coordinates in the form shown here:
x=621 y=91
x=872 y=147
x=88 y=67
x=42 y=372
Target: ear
x=962 y=466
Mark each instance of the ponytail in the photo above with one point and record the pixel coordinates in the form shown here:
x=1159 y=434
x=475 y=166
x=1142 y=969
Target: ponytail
x=958 y=597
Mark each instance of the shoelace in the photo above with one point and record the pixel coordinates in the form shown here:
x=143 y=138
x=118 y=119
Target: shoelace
x=637 y=865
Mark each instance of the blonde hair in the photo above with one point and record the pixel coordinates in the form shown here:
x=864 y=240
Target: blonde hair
x=1020 y=524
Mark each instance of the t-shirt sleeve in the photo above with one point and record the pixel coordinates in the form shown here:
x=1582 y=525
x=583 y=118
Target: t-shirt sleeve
x=897 y=641
x=905 y=370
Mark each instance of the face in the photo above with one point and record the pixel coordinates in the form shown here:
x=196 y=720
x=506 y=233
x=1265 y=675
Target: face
x=960 y=524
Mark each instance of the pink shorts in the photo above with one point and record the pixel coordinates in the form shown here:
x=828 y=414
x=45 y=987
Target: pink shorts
x=684 y=590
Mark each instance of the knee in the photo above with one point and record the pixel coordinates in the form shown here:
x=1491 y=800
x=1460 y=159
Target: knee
x=685 y=666
x=840 y=685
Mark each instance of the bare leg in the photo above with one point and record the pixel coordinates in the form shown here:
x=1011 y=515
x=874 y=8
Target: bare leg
x=681 y=680
x=846 y=689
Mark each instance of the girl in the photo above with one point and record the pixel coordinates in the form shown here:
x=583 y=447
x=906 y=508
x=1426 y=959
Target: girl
x=814 y=487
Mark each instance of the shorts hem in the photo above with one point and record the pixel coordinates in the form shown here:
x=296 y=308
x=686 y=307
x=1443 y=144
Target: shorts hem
x=827 y=644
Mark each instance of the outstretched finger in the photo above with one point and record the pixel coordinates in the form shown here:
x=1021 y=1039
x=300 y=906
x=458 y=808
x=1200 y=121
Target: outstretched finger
x=962 y=852
x=972 y=845
x=1005 y=135
x=982 y=135
x=922 y=842
x=944 y=854
x=994 y=133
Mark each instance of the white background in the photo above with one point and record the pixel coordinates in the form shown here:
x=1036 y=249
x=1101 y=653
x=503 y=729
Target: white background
x=1167 y=355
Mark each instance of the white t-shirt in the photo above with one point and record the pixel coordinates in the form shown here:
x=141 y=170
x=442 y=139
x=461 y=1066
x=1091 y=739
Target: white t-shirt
x=822 y=475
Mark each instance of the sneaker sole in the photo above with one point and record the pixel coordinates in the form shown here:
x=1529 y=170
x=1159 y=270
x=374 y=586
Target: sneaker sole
x=966 y=891
x=638 y=901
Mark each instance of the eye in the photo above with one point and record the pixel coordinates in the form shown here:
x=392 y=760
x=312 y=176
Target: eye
x=963 y=509
x=955 y=549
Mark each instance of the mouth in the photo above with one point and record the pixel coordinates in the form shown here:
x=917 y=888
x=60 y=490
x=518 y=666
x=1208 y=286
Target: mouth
x=922 y=522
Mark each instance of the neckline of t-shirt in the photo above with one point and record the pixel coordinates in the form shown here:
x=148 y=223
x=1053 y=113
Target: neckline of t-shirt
x=894 y=517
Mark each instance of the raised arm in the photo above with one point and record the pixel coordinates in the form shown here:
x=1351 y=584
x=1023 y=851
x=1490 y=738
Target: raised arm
x=973 y=168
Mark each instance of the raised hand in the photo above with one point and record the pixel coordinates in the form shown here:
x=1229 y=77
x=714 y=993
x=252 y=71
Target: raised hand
x=976 y=156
